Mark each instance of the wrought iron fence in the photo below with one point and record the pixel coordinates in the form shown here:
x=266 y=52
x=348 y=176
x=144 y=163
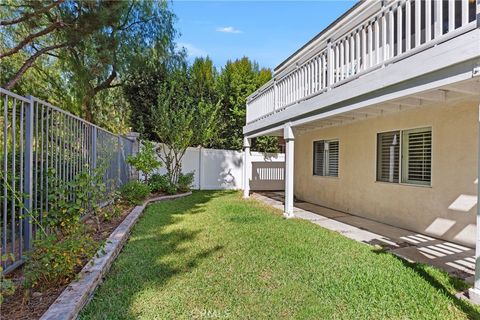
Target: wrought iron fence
x=43 y=147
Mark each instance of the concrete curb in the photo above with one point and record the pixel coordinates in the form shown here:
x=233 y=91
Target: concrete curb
x=69 y=304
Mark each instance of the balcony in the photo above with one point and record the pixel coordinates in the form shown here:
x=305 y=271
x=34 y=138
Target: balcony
x=373 y=35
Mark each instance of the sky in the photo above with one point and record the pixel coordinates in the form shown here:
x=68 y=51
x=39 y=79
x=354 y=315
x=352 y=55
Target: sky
x=265 y=31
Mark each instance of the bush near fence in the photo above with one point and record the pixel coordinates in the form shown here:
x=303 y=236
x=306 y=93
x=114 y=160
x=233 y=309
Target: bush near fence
x=43 y=147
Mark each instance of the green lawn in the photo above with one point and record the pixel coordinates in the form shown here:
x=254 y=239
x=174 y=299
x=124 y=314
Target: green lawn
x=214 y=255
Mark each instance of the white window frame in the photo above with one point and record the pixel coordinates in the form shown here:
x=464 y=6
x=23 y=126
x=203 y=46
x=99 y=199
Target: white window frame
x=326 y=159
x=401 y=180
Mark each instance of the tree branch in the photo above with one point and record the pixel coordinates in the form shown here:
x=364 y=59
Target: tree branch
x=29 y=63
x=31 y=37
x=27 y=16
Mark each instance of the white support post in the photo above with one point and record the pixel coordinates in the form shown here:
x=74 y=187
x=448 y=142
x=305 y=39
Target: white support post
x=247 y=167
x=289 y=169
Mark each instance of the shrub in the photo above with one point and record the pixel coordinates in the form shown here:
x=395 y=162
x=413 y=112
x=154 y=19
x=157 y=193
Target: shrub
x=158 y=183
x=185 y=182
x=171 y=189
x=145 y=160
x=55 y=261
x=6 y=285
x=134 y=192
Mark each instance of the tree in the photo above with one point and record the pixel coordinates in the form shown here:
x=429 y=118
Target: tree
x=80 y=51
x=237 y=80
x=203 y=77
x=36 y=29
x=102 y=60
x=180 y=123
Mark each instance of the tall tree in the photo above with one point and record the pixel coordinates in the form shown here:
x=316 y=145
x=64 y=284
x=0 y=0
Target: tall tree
x=79 y=50
x=203 y=77
x=237 y=80
x=180 y=122
x=102 y=60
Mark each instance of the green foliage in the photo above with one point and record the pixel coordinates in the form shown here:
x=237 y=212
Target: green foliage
x=266 y=144
x=171 y=189
x=77 y=54
x=69 y=201
x=6 y=285
x=184 y=95
x=113 y=209
x=134 y=192
x=158 y=183
x=55 y=260
x=237 y=80
x=185 y=182
x=179 y=123
x=162 y=183
x=145 y=160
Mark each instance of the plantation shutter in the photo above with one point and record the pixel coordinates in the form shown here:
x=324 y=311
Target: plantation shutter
x=388 y=156
x=417 y=156
x=318 y=158
x=325 y=158
x=332 y=159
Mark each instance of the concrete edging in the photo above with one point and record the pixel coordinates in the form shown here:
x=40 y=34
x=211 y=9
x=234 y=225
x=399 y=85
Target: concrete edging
x=78 y=293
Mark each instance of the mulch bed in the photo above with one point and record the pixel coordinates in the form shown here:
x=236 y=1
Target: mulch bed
x=31 y=305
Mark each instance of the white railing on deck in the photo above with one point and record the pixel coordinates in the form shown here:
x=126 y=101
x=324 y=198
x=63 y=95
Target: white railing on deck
x=382 y=38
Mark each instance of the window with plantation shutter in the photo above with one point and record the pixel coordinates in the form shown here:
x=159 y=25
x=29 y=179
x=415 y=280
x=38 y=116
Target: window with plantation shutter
x=417 y=156
x=413 y=147
x=325 y=158
x=388 y=156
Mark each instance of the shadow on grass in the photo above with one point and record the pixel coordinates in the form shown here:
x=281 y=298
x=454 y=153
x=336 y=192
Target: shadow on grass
x=457 y=284
x=151 y=258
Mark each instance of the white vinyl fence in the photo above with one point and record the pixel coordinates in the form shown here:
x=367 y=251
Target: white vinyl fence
x=223 y=169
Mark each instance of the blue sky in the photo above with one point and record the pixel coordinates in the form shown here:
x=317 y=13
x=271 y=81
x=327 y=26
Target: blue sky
x=265 y=31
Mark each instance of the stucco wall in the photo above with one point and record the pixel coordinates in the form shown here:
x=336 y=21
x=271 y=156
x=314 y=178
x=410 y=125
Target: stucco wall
x=445 y=210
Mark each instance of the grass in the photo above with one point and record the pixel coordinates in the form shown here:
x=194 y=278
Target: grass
x=214 y=255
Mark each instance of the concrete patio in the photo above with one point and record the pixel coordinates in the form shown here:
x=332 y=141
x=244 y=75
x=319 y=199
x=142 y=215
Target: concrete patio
x=457 y=260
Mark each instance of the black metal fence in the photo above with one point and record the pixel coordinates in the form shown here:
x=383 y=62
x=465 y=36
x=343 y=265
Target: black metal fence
x=40 y=146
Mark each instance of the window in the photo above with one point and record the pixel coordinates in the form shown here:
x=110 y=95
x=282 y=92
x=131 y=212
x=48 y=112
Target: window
x=325 y=158
x=388 y=155
x=413 y=147
x=417 y=156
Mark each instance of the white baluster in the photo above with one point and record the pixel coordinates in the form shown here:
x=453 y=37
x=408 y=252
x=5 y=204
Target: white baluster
x=451 y=15
x=377 y=41
x=399 y=30
x=357 y=51
x=370 y=45
x=408 y=22
x=438 y=18
x=364 y=49
x=428 y=20
x=391 y=36
x=418 y=22
x=384 y=37
x=352 y=54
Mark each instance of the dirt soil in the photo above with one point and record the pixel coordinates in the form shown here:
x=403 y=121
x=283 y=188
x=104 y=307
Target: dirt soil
x=31 y=304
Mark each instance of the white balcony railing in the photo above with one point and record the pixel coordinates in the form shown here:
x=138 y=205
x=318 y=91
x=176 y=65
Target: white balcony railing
x=387 y=33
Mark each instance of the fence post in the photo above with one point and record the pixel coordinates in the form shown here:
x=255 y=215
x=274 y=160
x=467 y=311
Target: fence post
x=28 y=174
x=94 y=147
x=200 y=165
x=119 y=160
x=134 y=137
